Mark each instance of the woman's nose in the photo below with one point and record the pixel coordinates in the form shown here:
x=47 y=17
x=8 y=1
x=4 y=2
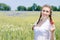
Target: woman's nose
x=44 y=12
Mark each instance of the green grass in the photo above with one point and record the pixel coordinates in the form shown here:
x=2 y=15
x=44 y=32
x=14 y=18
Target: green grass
x=20 y=27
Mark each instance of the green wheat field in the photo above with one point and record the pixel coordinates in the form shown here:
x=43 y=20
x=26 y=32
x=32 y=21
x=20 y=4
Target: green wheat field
x=17 y=25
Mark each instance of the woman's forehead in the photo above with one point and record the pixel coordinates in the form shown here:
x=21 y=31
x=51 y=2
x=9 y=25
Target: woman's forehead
x=46 y=8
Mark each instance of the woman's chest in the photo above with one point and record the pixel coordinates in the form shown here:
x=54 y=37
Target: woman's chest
x=43 y=27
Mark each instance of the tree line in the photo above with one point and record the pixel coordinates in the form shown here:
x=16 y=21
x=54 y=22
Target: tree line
x=34 y=7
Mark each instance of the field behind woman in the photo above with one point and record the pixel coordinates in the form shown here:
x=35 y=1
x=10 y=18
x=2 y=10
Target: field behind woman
x=18 y=25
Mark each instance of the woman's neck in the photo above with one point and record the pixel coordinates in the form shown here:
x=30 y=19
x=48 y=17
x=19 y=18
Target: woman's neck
x=42 y=20
x=45 y=17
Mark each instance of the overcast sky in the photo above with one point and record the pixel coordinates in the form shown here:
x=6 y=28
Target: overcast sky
x=14 y=3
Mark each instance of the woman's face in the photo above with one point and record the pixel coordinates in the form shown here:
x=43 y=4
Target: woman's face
x=45 y=11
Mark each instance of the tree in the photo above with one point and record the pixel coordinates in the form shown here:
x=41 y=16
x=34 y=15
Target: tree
x=21 y=8
x=59 y=8
x=4 y=7
x=34 y=7
x=29 y=9
x=54 y=8
x=38 y=8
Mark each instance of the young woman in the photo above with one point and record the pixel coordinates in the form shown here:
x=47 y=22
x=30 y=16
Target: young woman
x=44 y=28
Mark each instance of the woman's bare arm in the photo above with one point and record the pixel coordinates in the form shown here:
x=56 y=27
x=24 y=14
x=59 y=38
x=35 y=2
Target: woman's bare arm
x=52 y=37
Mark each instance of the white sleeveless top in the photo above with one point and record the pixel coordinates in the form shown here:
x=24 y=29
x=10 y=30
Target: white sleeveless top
x=42 y=32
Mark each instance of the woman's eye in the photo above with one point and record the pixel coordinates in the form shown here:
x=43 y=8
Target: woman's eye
x=43 y=10
x=47 y=11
